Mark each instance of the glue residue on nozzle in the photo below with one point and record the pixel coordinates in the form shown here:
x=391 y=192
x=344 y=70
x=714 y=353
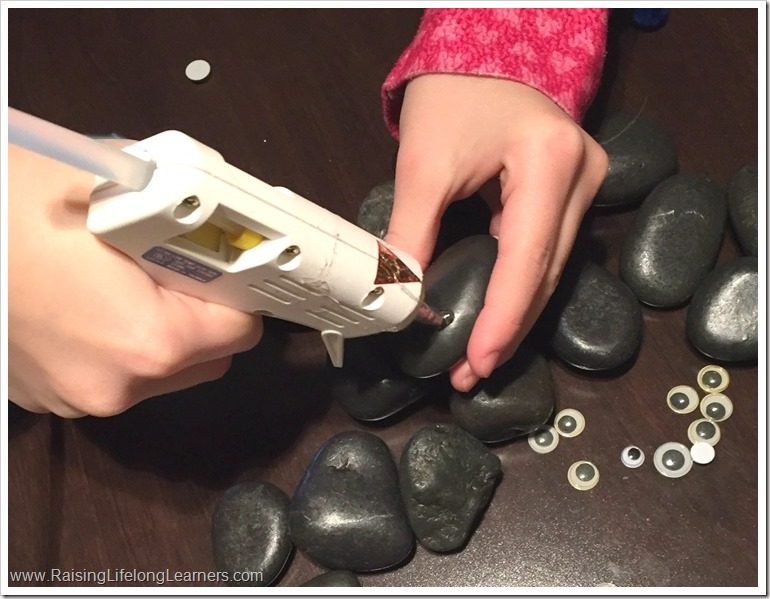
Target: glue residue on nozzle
x=198 y=70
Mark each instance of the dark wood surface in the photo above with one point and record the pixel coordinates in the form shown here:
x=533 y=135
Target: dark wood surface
x=294 y=99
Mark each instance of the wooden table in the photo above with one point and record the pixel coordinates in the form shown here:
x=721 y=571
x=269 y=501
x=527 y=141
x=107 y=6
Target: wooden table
x=294 y=99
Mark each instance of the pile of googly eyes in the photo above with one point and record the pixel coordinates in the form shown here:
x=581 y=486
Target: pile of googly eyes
x=583 y=475
x=673 y=459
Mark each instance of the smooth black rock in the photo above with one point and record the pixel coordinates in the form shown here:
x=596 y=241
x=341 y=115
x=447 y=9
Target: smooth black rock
x=374 y=212
x=722 y=317
x=250 y=533
x=598 y=319
x=335 y=578
x=743 y=205
x=370 y=386
x=641 y=155
x=674 y=240
x=515 y=400
x=457 y=282
x=347 y=512
x=447 y=480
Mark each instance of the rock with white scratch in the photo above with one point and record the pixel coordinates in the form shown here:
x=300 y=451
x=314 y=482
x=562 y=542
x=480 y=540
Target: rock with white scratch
x=347 y=513
x=641 y=154
x=674 y=240
x=722 y=317
x=250 y=533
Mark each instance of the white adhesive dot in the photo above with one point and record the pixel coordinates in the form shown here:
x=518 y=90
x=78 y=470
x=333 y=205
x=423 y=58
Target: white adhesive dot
x=197 y=70
x=702 y=452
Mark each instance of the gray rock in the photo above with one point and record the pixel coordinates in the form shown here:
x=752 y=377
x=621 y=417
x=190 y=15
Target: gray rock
x=334 y=578
x=674 y=240
x=374 y=212
x=722 y=317
x=370 y=386
x=457 y=282
x=347 y=512
x=517 y=399
x=447 y=480
x=250 y=533
x=743 y=205
x=598 y=319
x=641 y=155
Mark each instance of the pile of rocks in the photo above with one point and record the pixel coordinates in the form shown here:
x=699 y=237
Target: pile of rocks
x=356 y=510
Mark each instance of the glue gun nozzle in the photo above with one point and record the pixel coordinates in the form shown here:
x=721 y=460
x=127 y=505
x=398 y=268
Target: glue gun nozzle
x=435 y=318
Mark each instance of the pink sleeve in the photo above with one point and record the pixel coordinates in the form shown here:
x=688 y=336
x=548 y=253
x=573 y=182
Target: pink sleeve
x=559 y=52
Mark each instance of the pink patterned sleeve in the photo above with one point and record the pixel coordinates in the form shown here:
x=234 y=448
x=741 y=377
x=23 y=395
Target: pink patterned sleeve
x=559 y=52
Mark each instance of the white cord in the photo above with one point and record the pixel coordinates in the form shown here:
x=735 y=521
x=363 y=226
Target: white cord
x=77 y=150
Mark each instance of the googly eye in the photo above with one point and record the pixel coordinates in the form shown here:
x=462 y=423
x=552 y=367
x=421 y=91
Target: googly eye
x=704 y=430
x=583 y=475
x=713 y=379
x=702 y=453
x=672 y=459
x=717 y=407
x=569 y=422
x=683 y=399
x=544 y=439
x=632 y=456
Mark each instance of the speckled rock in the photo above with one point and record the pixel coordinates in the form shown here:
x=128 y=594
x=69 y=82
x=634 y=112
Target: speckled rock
x=674 y=240
x=722 y=317
x=370 y=386
x=347 y=512
x=457 y=282
x=515 y=400
x=447 y=480
x=743 y=206
x=250 y=533
x=598 y=319
x=641 y=155
x=374 y=212
x=335 y=578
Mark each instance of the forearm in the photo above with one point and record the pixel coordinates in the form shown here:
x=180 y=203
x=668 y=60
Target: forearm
x=559 y=52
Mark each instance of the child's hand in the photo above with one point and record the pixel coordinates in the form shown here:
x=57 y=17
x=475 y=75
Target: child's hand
x=456 y=133
x=88 y=331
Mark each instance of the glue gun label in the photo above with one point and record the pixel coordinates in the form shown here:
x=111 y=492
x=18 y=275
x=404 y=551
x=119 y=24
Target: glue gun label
x=181 y=264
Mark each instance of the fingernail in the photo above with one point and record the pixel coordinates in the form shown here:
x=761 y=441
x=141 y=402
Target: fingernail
x=466 y=378
x=487 y=364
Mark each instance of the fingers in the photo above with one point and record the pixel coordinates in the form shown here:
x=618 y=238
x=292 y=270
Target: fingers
x=420 y=200
x=530 y=256
x=185 y=379
x=205 y=331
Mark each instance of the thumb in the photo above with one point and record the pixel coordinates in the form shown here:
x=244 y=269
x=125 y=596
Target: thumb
x=418 y=204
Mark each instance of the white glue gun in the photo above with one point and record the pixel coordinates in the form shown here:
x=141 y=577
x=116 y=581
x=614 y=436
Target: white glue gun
x=201 y=226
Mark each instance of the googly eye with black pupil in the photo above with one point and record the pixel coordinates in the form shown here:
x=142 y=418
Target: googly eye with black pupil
x=632 y=456
x=713 y=379
x=702 y=453
x=544 y=439
x=583 y=475
x=672 y=459
x=682 y=399
x=705 y=430
x=569 y=422
x=717 y=407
